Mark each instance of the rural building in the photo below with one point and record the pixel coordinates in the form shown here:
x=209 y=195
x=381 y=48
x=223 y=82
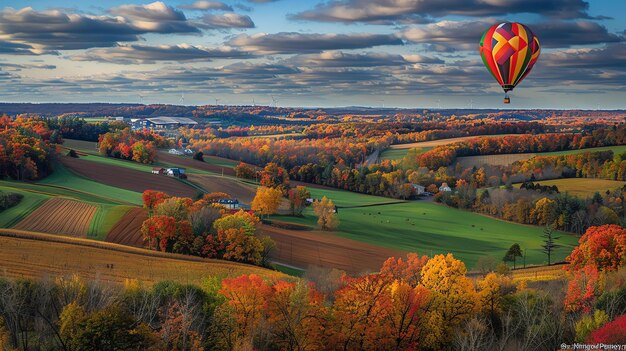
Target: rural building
x=419 y=189
x=169 y=122
x=175 y=152
x=175 y=172
x=158 y=170
x=445 y=187
x=231 y=204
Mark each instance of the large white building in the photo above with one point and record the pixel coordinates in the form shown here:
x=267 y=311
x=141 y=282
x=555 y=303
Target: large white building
x=163 y=122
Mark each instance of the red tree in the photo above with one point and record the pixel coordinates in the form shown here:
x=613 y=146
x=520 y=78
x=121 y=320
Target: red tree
x=603 y=247
x=611 y=333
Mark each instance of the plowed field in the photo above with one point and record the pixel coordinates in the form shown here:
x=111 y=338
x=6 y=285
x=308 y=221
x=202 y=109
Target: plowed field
x=128 y=230
x=60 y=216
x=127 y=178
x=313 y=248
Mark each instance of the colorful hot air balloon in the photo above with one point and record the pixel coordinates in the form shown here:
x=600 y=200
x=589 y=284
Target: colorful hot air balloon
x=509 y=51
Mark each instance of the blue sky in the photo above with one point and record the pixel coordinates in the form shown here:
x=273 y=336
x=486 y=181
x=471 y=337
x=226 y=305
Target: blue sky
x=405 y=53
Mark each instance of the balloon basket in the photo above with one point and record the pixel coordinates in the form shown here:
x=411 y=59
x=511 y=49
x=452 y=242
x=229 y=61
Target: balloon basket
x=507 y=99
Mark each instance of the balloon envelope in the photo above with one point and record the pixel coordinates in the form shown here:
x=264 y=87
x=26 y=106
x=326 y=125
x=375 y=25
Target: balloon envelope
x=509 y=51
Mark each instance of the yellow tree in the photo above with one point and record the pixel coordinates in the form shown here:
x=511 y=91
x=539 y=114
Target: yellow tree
x=491 y=290
x=267 y=200
x=326 y=214
x=453 y=296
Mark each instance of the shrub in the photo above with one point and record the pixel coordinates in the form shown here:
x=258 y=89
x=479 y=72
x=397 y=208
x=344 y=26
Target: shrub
x=72 y=153
x=8 y=200
x=198 y=156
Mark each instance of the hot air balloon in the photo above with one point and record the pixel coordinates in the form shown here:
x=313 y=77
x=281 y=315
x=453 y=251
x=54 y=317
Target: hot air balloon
x=509 y=51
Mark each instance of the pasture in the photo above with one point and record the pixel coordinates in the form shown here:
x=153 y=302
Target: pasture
x=582 y=187
x=349 y=199
x=429 y=229
x=35 y=255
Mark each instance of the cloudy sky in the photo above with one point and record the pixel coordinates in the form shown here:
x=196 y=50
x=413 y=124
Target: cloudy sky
x=405 y=53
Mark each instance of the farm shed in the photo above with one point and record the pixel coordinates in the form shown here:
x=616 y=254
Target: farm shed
x=158 y=170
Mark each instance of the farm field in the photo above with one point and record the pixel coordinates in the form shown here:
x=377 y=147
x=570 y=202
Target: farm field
x=127 y=230
x=507 y=159
x=398 y=154
x=244 y=192
x=315 y=248
x=582 y=187
x=211 y=164
x=29 y=203
x=23 y=256
x=428 y=228
x=349 y=199
x=60 y=216
x=105 y=218
x=126 y=178
x=65 y=182
x=439 y=142
x=538 y=274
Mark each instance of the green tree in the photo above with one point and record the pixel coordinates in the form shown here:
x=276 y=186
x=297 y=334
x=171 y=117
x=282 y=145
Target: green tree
x=511 y=255
x=109 y=329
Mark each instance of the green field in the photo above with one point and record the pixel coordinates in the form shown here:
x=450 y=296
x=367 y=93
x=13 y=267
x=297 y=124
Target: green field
x=349 y=199
x=429 y=229
x=104 y=219
x=616 y=150
x=88 y=190
x=29 y=203
x=582 y=187
x=398 y=154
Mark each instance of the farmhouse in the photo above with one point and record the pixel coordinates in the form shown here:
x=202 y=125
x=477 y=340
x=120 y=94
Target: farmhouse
x=419 y=189
x=158 y=170
x=231 y=204
x=445 y=187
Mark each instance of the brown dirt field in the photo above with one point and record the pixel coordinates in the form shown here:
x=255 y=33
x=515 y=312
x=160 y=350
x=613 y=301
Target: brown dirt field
x=433 y=143
x=493 y=160
x=313 y=248
x=128 y=230
x=243 y=192
x=36 y=255
x=127 y=178
x=60 y=216
x=191 y=163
